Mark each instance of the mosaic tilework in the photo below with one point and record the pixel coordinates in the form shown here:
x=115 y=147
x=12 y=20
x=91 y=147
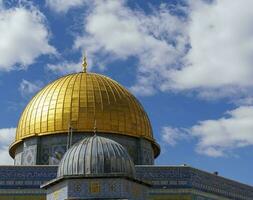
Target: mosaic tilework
x=112 y=188
x=49 y=150
x=187 y=177
x=44 y=155
x=18 y=155
x=146 y=153
x=170 y=180
x=29 y=155
x=58 y=192
x=13 y=177
x=183 y=194
x=23 y=197
x=57 y=152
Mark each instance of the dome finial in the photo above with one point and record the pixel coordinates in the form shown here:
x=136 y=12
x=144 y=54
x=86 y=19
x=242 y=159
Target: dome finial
x=85 y=64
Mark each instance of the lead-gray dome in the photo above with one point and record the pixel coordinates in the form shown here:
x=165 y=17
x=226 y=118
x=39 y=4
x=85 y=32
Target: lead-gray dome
x=96 y=156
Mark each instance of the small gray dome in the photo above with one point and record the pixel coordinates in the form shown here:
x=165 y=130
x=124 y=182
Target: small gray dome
x=96 y=156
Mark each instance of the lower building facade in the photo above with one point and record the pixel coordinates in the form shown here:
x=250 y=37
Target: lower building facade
x=164 y=183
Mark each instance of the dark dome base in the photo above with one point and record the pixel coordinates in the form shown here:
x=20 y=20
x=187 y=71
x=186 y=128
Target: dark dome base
x=48 y=150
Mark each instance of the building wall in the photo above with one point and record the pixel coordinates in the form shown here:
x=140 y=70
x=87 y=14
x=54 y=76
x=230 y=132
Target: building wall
x=100 y=188
x=22 y=194
x=182 y=194
x=22 y=197
x=58 y=192
x=168 y=182
x=23 y=182
x=30 y=151
x=18 y=155
x=184 y=177
x=48 y=150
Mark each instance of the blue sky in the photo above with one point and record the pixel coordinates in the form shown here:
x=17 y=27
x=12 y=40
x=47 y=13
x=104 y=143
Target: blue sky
x=188 y=62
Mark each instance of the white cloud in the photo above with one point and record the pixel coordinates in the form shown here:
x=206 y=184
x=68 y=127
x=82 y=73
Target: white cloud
x=219 y=63
x=231 y=132
x=221 y=51
x=172 y=135
x=65 y=67
x=63 y=5
x=155 y=39
x=23 y=37
x=218 y=137
x=6 y=138
x=28 y=88
x=247 y=101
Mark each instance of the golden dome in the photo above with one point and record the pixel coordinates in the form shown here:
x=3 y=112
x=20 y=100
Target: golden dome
x=78 y=100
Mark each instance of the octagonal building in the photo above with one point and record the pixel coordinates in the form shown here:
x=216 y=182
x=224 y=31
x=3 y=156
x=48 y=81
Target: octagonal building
x=99 y=138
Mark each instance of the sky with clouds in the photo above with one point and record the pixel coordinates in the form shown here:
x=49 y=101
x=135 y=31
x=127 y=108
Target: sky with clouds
x=190 y=63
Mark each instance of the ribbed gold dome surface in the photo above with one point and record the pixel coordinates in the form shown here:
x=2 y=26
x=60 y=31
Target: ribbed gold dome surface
x=78 y=100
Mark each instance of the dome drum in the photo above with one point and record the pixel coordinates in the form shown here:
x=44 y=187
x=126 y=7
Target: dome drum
x=48 y=150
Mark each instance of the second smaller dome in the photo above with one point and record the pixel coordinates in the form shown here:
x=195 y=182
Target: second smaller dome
x=96 y=156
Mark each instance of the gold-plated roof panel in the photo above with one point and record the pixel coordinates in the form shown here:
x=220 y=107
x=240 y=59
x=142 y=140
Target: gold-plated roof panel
x=80 y=99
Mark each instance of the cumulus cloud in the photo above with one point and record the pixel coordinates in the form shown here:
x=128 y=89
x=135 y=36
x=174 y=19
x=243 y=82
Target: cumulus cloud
x=175 y=53
x=218 y=137
x=28 y=88
x=221 y=47
x=208 y=50
x=219 y=62
x=63 y=5
x=24 y=36
x=231 y=132
x=65 y=67
x=172 y=135
x=190 y=52
x=6 y=138
x=155 y=39
x=247 y=101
